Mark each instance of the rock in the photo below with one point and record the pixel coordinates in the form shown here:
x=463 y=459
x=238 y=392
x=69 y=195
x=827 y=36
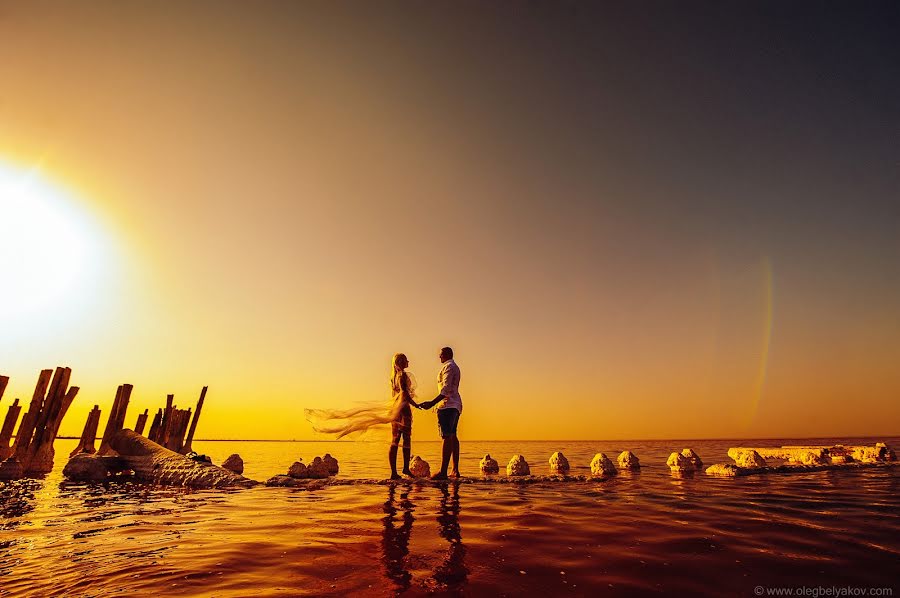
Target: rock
x=811 y=457
x=518 y=466
x=865 y=454
x=331 y=463
x=10 y=469
x=86 y=468
x=723 y=469
x=419 y=467
x=678 y=463
x=199 y=458
x=628 y=460
x=297 y=470
x=840 y=459
x=317 y=469
x=489 y=465
x=559 y=464
x=694 y=458
x=750 y=459
x=601 y=465
x=234 y=463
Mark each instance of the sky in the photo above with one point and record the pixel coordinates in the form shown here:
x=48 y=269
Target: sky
x=629 y=220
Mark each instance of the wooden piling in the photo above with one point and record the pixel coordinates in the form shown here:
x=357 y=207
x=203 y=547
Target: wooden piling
x=4 y=380
x=9 y=424
x=190 y=437
x=89 y=435
x=153 y=434
x=33 y=450
x=165 y=427
x=141 y=422
x=116 y=417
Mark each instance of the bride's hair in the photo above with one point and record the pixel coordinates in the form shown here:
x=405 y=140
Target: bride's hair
x=396 y=370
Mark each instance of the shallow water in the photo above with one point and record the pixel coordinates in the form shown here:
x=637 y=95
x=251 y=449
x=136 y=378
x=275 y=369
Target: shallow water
x=646 y=533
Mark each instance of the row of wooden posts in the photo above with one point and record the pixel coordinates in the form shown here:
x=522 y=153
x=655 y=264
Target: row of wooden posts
x=32 y=452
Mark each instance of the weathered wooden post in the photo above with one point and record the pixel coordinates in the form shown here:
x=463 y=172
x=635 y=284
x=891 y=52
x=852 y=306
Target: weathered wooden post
x=165 y=427
x=141 y=422
x=4 y=380
x=33 y=450
x=116 y=417
x=89 y=435
x=9 y=424
x=153 y=434
x=190 y=437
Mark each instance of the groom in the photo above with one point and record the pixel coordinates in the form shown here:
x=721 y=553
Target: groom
x=449 y=407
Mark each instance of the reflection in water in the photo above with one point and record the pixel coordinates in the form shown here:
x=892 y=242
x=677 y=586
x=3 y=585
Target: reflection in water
x=16 y=500
x=452 y=573
x=395 y=540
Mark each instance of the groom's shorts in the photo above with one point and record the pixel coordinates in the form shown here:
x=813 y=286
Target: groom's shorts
x=447 y=420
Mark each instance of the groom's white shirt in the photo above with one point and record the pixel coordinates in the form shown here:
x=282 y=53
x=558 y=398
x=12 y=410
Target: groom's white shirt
x=448 y=386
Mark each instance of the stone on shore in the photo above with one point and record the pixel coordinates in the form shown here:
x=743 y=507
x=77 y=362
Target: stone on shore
x=628 y=460
x=601 y=465
x=419 y=467
x=559 y=464
x=489 y=465
x=749 y=459
x=678 y=463
x=724 y=469
x=694 y=458
x=317 y=469
x=297 y=470
x=331 y=463
x=11 y=469
x=518 y=466
x=86 y=467
x=234 y=464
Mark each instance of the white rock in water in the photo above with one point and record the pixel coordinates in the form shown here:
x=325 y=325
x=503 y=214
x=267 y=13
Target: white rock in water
x=814 y=457
x=518 y=466
x=331 y=463
x=419 y=467
x=723 y=469
x=86 y=468
x=601 y=465
x=678 y=463
x=297 y=470
x=628 y=460
x=317 y=469
x=694 y=458
x=234 y=464
x=749 y=459
x=559 y=464
x=489 y=465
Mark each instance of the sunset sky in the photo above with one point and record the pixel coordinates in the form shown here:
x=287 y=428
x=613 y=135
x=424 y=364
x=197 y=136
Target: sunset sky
x=630 y=220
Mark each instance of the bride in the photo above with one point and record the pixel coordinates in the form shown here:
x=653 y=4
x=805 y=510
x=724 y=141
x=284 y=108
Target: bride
x=398 y=414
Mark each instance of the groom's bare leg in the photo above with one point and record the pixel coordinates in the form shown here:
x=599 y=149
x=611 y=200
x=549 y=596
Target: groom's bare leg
x=455 y=470
x=446 y=453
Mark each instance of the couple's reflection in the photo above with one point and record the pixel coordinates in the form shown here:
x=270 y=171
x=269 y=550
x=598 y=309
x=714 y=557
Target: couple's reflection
x=452 y=572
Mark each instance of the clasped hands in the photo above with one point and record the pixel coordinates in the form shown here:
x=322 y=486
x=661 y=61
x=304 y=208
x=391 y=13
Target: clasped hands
x=428 y=404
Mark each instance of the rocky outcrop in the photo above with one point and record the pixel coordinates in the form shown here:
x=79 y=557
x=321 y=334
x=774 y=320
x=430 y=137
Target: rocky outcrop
x=518 y=466
x=601 y=465
x=559 y=465
x=297 y=470
x=317 y=469
x=489 y=465
x=419 y=467
x=234 y=464
x=749 y=459
x=678 y=463
x=154 y=464
x=628 y=460
x=331 y=464
x=724 y=470
x=694 y=458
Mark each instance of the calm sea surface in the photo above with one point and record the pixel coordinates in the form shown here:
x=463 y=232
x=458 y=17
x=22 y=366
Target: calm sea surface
x=646 y=533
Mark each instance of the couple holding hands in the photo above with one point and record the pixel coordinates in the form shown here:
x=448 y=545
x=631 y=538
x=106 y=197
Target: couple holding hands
x=449 y=407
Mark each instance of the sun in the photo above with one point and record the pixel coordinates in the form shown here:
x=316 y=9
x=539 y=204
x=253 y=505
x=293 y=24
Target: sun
x=47 y=246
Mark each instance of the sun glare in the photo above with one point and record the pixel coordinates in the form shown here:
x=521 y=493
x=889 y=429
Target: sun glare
x=47 y=247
